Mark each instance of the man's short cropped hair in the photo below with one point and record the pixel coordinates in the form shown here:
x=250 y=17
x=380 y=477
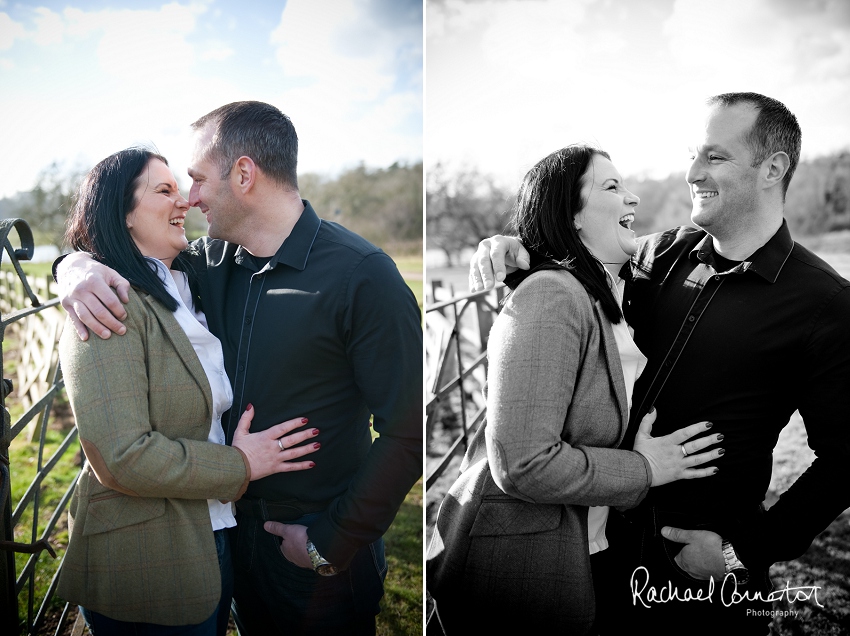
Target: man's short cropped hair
x=775 y=129
x=256 y=130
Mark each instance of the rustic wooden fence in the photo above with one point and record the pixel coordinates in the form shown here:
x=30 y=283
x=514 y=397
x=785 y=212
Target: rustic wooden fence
x=30 y=326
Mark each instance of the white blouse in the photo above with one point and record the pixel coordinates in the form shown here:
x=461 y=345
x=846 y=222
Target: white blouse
x=208 y=348
x=633 y=362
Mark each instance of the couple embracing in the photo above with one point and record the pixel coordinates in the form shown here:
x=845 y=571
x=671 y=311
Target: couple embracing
x=277 y=316
x=636 y=390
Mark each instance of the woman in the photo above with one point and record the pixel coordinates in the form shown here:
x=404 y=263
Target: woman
x=148 y=550
x=515 y=534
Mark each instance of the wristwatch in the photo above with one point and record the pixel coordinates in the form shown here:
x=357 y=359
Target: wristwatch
x=320 y=564
x=734 y=565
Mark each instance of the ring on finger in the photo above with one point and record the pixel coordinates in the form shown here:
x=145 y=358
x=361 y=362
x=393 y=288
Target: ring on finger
x=280 y=444
x=684 y=452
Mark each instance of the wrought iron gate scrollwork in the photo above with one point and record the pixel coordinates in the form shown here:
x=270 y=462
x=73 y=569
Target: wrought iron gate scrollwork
x=35 y=420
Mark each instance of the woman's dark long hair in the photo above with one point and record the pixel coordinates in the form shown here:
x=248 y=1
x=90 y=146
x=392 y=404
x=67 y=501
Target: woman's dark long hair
x=547 y=202
x=98 y=221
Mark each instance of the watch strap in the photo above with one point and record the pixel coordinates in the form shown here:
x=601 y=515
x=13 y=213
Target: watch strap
x=321 y=565
x=733 y=563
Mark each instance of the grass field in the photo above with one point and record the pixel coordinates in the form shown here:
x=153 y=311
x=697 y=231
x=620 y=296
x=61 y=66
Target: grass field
x=411 y=270
x=401 y=608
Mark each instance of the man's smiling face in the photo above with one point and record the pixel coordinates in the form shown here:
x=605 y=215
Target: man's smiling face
x=722 y=181
x=210 y=193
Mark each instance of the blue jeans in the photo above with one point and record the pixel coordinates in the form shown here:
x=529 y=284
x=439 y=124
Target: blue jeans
x=273 y=596
x=215 y=625
x=100 y=625
x=225 y=563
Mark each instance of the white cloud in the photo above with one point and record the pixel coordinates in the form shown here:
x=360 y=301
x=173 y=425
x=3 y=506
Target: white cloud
x=6 y=65
x=216 y=52
x=9 y=31
x=317 y=44
x=735 y=38
x=146 y=47
x=142 y=76
x=341 y=87
x=542 y=40
x=799 y=55
x=130 y=86
x=48 y=27
x=511 y=80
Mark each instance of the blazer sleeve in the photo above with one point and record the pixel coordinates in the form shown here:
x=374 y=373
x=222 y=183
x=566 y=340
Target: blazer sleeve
x=536 y=350
x=108 y=388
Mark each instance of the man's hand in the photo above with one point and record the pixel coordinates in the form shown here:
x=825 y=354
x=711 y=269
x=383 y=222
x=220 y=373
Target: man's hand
x=92 y=294
x=494 y=256
x=294 y=544
x=702 y=556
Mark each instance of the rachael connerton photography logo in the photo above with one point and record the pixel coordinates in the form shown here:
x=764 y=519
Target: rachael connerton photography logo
x=647 y=594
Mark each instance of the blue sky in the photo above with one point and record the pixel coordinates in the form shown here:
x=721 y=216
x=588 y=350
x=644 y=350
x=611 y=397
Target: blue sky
x=509 y=81
x=80 y=79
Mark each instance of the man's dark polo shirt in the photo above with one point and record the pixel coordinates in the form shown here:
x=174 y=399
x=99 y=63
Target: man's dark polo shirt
x=747 y=348
x=328 y=330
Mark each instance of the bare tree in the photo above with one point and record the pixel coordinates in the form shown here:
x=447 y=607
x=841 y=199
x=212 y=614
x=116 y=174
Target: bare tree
x=47 y=205
x=462 y=208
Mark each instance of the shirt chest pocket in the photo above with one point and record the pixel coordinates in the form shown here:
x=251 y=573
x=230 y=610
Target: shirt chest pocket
x=296 y=323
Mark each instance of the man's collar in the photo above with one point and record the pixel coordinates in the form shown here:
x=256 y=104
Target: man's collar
x=767 y=261
x=295 y=250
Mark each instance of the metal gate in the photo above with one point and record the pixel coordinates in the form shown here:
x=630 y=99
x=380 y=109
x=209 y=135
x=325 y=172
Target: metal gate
x=30 y=326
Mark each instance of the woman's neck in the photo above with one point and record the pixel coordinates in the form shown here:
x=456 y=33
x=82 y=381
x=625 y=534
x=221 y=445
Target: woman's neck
x=614 y=269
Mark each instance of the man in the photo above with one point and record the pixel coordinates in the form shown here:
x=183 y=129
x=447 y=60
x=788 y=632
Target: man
x=313 y=321
x=742 y=327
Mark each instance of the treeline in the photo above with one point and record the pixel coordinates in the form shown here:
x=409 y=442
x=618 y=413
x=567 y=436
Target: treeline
x=384 y=205
x=463 y=208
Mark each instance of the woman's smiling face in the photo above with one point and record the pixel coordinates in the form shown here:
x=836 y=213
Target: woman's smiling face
x=156 y=223
x=605 y=221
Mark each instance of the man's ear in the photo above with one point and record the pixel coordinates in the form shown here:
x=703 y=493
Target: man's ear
x=777 y=166
x=244 y=173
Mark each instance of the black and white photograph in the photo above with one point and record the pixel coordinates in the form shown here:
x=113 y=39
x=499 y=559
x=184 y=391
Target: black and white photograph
x=637 y=317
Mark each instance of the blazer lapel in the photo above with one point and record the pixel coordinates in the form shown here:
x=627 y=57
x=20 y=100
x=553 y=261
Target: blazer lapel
x=172 y=329
x=615 y=368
